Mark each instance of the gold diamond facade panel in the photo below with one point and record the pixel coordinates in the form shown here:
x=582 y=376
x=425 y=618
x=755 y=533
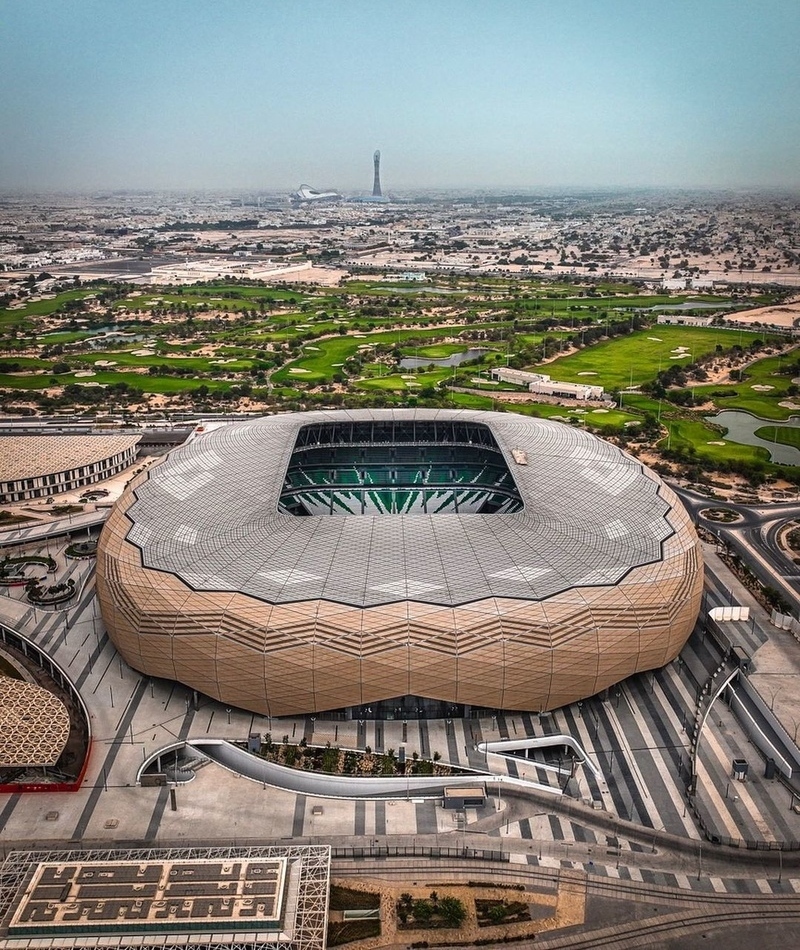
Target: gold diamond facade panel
x=592 y=574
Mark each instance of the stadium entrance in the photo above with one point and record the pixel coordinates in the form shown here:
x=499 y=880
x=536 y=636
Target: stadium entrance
x=409 y=707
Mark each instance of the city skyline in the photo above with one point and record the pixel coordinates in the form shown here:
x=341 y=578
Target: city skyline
x=512 y=95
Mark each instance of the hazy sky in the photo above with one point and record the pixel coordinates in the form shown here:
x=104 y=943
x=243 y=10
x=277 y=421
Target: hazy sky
x=487 y=93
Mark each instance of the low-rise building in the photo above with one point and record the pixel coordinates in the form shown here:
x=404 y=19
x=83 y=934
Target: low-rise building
x=33 y=466
x=684 y=320
x=541 y=383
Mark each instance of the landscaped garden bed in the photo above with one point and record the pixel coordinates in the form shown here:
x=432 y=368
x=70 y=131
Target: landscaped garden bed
x=335 y=761
x=721 y=515
x=12 y=569
x=431 y=913
x=47 y=596
x=493 y=912
x=343 y=929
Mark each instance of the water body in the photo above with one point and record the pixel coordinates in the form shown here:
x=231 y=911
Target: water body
x=413 y=362
x=112 y=335
x=742 y=427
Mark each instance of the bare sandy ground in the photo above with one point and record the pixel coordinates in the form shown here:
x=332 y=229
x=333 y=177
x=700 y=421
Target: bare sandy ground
x=779 y=315
x=324 y=276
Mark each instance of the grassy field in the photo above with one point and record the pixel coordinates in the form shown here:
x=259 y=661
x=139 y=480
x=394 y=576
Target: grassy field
x=41 y=308
x=197 y=364
x=637 y=357
x=320 y=366
x=784 y=435
x=141 y=381
x=695 y=438
x=742 y=395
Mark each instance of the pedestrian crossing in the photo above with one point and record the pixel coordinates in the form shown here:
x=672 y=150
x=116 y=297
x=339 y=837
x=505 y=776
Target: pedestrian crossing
x=636 y=734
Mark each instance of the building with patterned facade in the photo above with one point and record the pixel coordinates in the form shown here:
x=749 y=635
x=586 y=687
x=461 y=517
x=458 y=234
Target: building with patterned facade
x=391 y=559
x=34 y=466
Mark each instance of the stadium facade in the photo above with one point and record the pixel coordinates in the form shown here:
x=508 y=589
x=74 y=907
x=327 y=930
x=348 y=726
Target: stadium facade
x=385 y=559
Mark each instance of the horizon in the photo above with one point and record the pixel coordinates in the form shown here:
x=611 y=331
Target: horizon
x=197 y=95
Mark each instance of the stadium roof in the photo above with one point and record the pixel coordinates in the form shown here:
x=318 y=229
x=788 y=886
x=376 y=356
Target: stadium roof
x=209 y=514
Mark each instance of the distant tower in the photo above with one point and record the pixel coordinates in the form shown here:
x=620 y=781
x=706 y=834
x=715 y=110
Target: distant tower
x=376 y=183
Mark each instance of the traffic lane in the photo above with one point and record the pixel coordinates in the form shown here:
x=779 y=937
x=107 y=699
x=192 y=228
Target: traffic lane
x=766 y=571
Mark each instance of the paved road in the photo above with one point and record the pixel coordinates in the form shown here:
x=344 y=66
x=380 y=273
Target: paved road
x=42 y=530
x=754 y=536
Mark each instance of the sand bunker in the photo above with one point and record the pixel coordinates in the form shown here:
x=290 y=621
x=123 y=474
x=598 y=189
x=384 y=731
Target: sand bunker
x=105 y=362
x=298 y=369
x=680 y=349
x=587 y=373
x=84 y=373
x=716 y=442
x=681 y=356
x=143 y=353
x=655 y=339
x=406 y=376
x=600 y=410
x=309 y=347
x=761 y=389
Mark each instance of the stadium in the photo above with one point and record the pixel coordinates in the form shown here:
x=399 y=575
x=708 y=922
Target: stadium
x=387 y=563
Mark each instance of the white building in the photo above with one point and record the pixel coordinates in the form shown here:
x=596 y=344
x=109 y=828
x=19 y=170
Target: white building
x=545 y=386
x=681 y=320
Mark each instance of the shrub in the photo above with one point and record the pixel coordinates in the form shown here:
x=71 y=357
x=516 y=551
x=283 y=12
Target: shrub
x=422 y=911
x=452 y=911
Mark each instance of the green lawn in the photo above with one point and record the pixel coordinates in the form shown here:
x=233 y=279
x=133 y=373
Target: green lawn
x=694 y=437
x=41 y=308
x=763 y=403
x=637 y=357
x=197 y=364
x=395 y=381
x=785 y=435
x=320 y=365
x=141 y=381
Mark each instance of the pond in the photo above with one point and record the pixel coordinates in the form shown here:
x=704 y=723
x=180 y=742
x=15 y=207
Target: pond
x=413 y=362
x=113 y=334
x=741 y=427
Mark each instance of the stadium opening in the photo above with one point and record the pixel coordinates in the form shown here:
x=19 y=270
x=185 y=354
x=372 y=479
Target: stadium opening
x=396 y=467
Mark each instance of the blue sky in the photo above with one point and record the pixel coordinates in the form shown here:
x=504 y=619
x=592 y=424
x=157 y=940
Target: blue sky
x=468 y=93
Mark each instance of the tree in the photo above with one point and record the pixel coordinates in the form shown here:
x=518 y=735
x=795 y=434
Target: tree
x=422 y=911
x=452 y=911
